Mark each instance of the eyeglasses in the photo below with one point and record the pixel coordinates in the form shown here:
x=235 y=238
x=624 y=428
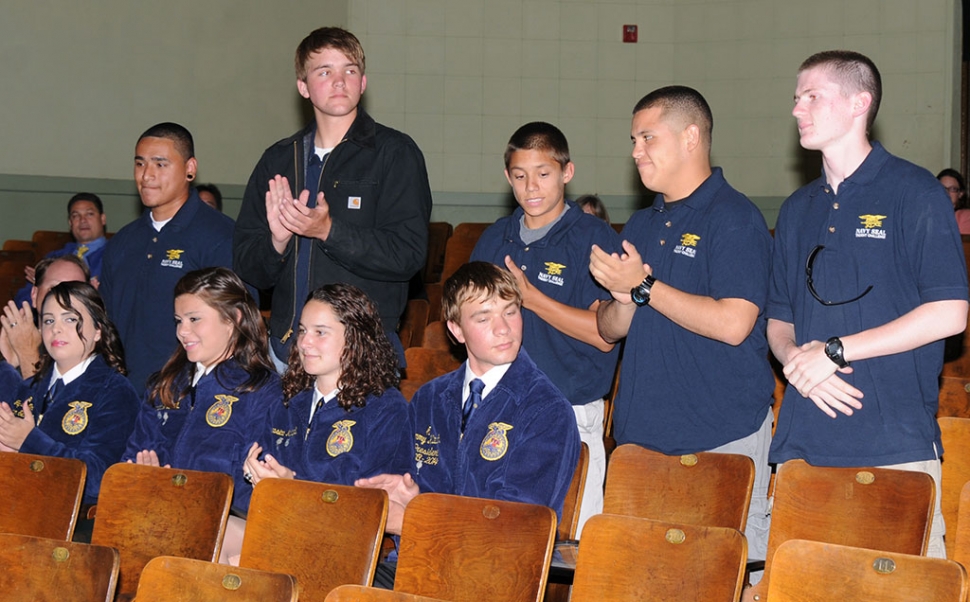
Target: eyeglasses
x=811 y=285
x=953 y=189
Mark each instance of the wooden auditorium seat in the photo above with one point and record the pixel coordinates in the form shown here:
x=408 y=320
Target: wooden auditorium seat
x=698 y=489
x=173 y=579
x=361 y=593
x=40 y=495
x=467 y=549
x=438 y=235
x=629 y=559
x=425 y=365
x=324 y=535
x=811 y=571
x=37 y=569
x=147 y=511
x=876 y=508
x=956 y=472
x=50 y=240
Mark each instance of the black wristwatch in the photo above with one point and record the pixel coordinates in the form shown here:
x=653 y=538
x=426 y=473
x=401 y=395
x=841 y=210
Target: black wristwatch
x=641 y=294
x=833 y=349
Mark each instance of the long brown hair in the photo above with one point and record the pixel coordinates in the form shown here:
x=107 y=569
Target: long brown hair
x=222 y=290
x=69 y=295
x=368 y=362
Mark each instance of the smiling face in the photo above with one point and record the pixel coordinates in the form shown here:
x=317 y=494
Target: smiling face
x=538 y=182
x=87 y=223
x=334 y=83
x=59 y=330
x=320 y=342
x=204 y=334
x=162 y=176
x=659 y=151
x=491 y=330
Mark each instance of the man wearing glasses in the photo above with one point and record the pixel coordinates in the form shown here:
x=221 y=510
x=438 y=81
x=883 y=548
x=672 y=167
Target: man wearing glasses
x=868 y=278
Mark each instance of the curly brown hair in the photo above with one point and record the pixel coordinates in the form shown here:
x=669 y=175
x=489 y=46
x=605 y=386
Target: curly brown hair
x=70 y=295
x=222 y=290
x=368 y=362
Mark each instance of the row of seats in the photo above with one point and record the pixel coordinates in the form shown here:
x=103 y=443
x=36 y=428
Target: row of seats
x=146 y=512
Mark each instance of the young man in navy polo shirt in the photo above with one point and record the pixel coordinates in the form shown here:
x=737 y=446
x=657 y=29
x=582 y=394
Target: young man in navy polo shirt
x=545 y=244
x=143 y=261
x=689 y=291
x=868 y=278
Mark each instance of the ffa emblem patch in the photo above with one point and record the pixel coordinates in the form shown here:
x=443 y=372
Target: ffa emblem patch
x=218 y=413
x=496 y=441
x=341 y=440
x=76 y=420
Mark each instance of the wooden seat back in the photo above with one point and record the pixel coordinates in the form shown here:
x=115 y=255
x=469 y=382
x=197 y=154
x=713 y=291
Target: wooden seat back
x=438 y=235
x=811 y=571
x=324 y=535
x=467 y=549
x=629 y=559
x=569 y=523
x=147 y=511
x=173 y=579
x=876 y=508
x=959 y=533
x=413 y=321
x=425 y=365
x=26 y=481
x=697 y=489
x=50 y=240
x=954 y=397
x=36 y=569
x=956 y=472
x=361 y=593
x=460 y=246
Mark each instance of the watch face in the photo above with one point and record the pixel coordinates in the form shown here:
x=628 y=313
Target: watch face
x=640 y=295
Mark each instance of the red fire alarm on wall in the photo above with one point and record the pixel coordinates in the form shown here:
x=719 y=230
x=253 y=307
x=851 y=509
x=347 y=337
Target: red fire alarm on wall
x=630 y=34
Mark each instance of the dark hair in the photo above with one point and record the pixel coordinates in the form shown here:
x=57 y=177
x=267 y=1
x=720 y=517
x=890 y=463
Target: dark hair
x=40 y=270
x=214 y=191
x=85 y=196
x=854 y=72
x=595 y=204
x=174 y=132
x=70 y=294
x=476 y=280
x=686 y=103
x=328 y=37
x=222 y=290
x=368 y=362
x=952 y=173
x=540 y=136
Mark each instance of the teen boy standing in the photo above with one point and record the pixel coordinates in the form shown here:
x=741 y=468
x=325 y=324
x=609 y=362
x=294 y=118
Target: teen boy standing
x=343 y=200
x=545 y=244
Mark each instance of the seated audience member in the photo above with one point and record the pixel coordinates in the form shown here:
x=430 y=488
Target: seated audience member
x=20 y=339
x=523 y=442
x=956 y=189
x=209 y=402
x=210 y=195
x=87 y=221
x=79 y=404
x=342 y=417
x=591 y=204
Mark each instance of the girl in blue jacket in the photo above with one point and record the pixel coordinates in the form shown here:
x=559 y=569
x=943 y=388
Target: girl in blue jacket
x=79 y=403
x=210 y=399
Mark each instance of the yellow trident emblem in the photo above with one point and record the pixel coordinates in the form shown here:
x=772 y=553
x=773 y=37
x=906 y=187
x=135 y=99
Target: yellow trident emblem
x=554 y=269
x=174 y=254
x=872 y=221
x=689 y=240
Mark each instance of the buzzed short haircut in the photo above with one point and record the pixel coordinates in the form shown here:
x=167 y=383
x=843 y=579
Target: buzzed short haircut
x=174 y=132
x=686 y=103
x=85 y=196
x=473 y=281
x=328 y=37
x=539 y=136
x=854 y=72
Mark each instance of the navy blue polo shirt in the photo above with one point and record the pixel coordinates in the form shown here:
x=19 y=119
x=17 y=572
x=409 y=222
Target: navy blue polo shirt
x=558 y=265
x=890 y=227
x=139 y=272
x=681 y=392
